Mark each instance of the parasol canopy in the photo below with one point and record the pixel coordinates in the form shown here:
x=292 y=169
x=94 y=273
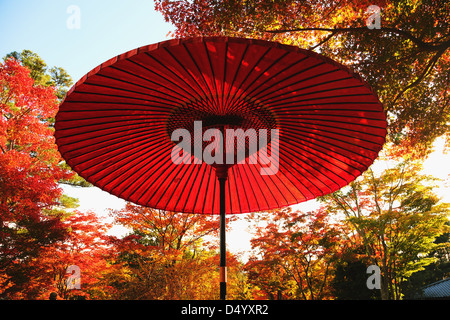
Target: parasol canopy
x=115 y=127
x=220 y=125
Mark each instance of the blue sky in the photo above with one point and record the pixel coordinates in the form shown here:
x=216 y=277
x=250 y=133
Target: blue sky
x=107 y=28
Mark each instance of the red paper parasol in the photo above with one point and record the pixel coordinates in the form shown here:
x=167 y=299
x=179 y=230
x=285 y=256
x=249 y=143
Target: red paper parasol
x=116 y=127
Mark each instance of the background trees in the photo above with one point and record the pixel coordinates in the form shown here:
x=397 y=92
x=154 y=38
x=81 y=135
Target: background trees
x=32 y=206
x=29 y=171
x=390 y=218
x=294 y=255
x=56 y=77
x=395 y=216
x=166 y=255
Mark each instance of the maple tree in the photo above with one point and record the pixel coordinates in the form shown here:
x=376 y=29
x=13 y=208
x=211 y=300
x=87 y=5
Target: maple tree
x=406 y=60
x=438 y=270
x=44 y=77
x=293 y=255
x=87 y=247
x=395 y=217
x=167 y=255
x=350 y=275
x=29 y=171
x=56 y=77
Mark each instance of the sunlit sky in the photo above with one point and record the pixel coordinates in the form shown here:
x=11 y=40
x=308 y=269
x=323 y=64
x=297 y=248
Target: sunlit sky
x=106 y=29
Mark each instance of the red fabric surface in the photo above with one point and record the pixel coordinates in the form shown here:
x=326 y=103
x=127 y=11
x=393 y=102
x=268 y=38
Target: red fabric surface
x=112 y=128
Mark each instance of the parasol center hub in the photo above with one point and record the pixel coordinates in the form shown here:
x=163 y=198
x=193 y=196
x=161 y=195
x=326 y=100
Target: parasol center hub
x=222 y=171
x=222 y=121
x=228 y=134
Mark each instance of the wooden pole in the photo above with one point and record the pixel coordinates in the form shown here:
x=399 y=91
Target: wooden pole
x=223 y=256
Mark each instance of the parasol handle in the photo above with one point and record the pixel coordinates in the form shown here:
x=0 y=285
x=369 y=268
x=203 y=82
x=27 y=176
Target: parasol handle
x=222 y=175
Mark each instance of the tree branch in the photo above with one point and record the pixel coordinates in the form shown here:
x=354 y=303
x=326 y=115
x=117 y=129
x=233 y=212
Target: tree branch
x=405 y=34
x=430 y=65
x=375 y=191
x=324 y=40
x=436 y=46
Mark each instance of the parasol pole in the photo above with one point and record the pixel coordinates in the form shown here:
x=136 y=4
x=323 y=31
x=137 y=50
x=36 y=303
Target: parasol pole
x=222 y=175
